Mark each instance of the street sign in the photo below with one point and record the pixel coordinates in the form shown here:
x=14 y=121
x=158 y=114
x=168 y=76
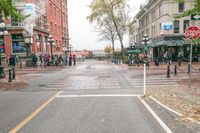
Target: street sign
x=195 y=16
x=192 y=32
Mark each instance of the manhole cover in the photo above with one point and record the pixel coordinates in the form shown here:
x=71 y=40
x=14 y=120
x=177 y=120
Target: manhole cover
x=42 y=85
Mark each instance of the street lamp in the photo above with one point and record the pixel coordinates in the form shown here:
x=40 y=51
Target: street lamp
x=3 y=32
x=51 y=42
x=70 y=49
x=145 y=41
x=70 y=54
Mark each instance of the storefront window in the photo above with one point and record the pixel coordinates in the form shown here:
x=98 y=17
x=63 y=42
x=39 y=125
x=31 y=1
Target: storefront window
x=18 y=45
x=39 y=40
x=176 y=26
x=181 y=6
x=186 y=24
x=2 y=46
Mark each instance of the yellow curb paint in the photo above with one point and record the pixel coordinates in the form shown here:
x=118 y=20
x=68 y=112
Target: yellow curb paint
x=38 y=110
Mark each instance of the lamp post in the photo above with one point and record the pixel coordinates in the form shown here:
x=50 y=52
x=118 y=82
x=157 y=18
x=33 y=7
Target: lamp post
x=70 y=54
x=145 y=41
x=3 y=32
x=51 y=42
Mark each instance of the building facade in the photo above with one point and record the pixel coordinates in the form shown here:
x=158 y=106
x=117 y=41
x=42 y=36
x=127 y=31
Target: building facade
x=157 y=20
x=46 y=17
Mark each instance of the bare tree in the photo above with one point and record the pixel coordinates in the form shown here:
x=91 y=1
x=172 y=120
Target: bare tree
x=115 y=11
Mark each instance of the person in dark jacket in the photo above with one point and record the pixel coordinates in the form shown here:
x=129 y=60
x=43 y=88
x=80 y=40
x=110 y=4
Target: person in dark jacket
x=34 y=60
x=12 y=61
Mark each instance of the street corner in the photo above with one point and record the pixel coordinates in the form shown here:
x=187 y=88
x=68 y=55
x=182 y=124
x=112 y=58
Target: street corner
x=15 y=85
x=178 y=100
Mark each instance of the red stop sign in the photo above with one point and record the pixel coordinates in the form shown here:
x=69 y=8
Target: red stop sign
x=192 y=32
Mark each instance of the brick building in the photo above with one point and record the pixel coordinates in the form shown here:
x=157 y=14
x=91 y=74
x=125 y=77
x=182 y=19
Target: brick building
x=47 y=17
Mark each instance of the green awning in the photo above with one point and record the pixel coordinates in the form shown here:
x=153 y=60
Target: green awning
x=157 y=43
x=134 y=51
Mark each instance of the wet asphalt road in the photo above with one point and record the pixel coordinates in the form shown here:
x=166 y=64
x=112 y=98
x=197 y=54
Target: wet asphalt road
x=90 y=101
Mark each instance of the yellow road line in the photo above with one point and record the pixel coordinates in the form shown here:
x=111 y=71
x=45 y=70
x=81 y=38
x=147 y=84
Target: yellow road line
x=38 y=110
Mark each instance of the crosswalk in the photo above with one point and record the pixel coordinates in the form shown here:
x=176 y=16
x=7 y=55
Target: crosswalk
x=154 y=82
x=58 y=85
x=110 y=84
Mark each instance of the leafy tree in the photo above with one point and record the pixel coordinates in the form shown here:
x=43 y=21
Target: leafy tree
x=112 y=10
x=106 y=32
x=108 y=49
x=6 y=6
x=195 y=10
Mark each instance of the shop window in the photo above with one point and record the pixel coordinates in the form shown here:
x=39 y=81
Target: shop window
x=18 y=45
x=2 y=46
x=176 y=26
x=159 y=8
x=39 y=46
x=186 y=24
x=181 y=6
x=16 y=21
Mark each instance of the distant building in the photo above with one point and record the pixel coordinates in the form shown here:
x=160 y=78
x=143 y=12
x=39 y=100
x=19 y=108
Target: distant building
x=82 y=53
x=47 y=17
x=156 y=19
x=99 y=54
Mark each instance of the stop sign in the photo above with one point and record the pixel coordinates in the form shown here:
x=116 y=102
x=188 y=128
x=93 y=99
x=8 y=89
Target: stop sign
x=192 y=32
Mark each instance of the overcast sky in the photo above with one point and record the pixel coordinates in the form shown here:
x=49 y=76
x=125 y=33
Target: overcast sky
x=81 y=32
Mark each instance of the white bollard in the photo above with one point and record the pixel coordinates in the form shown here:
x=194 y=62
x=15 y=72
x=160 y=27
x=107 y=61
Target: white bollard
x=144 y=93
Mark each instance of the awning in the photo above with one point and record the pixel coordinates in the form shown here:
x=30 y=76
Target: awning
x=134 y=51
x=169 y=41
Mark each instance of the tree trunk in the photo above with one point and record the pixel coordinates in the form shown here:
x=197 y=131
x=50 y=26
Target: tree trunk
x=118 y=33
x=113 y=43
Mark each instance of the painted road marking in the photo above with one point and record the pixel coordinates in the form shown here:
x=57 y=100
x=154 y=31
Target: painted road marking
x=179 y=114
x=99 y=95
x=31 y=116
x=164 y=126
x=48 y=88
x=168 y=108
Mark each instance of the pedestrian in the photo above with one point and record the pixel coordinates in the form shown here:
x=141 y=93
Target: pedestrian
x=12 y=61
x=166 y=56
x=70 y=60
x=49 y=60
x=66 y=59
x=45 y=60
x=74 y=59
x=41 y=59
x=60 y=59
x=56 y=60
x=34 y=60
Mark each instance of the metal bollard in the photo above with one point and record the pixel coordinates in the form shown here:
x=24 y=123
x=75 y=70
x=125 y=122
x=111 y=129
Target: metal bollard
x=175 y=70
x=188 y=69
x=179 y=63
x=168 y=72
x=9 y=77
x=20 y=65
x=13 y=77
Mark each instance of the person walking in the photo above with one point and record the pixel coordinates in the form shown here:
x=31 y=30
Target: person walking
x=66 y=59
x=12 y=61
x=45 y=60
x=74 y=59
x=70 y=60
x=41 y=59
x=34 y=60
